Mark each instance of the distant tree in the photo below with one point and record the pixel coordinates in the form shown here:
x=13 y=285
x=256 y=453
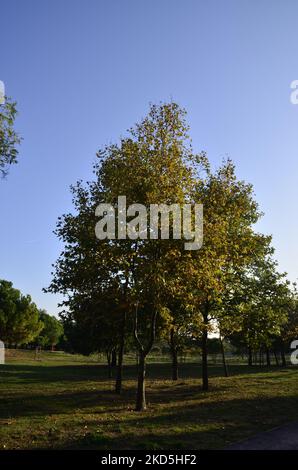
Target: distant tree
x=51 y=332
x=9 y=139
x=19 y=317
x=257 y=308
x=289 y=330
x=95 y=324
x=177 y=329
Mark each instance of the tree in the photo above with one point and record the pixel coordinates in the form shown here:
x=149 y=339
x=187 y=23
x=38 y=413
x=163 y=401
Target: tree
x=151 y=166
x=9 y=139
x=94 y=324
x=148 y=167
x=288 y=331
x=51 y=332
x=229 y=244
x=177 y=329
x=259 y=307
x=19 y=318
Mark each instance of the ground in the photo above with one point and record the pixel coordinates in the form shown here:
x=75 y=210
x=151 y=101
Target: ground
x=65 y=401
x=282 y=438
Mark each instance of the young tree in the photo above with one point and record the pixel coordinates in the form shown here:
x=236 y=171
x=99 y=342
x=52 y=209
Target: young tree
x=152 y=166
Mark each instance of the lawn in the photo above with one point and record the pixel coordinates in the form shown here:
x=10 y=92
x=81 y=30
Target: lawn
x=67 y=402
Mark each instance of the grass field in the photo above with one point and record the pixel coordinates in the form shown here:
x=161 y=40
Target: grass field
x=66 y=402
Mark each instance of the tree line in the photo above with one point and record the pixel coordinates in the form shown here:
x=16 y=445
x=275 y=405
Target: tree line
x=124 y=294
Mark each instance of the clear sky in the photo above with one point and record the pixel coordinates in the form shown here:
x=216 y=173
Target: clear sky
x=83 y=71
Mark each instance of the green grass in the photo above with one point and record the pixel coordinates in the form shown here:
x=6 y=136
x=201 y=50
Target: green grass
x=66 y=402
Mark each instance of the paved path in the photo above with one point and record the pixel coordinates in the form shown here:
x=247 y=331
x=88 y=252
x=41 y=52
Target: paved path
x=282 y=438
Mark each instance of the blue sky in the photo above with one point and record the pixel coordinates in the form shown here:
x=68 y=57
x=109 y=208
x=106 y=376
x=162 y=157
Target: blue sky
x=82 y=72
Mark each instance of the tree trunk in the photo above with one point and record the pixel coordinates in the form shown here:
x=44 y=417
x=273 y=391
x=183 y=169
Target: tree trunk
x=36 y=352
x=118 y=384
x=114 y=358
x=223 y=356
x=283 y=355
x=205 y=382
x=109 y=364
x=174 y=353
x=268 y=357
x=250 y=356
x=276 y=358
x=254 y=359
x=175 y=365
x=143 y=352
x=260 y=357
x=141 y=391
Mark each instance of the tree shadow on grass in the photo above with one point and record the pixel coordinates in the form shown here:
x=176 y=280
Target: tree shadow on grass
x=86 y=388
x=74 y=373
x=45 y=374
x=193 y=427
x=99 y=399
x=180 y=415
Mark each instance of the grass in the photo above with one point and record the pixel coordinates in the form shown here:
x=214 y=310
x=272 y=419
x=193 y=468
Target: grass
x=66 y=402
